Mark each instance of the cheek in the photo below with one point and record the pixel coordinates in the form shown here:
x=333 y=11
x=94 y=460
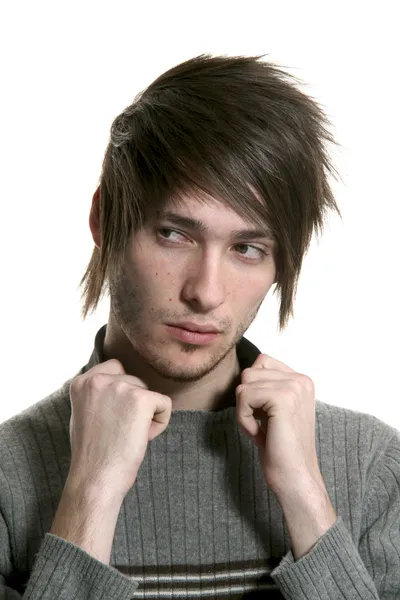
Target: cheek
x=152 y=267
x=248 y=295
x=253 y=285
x=159 y=276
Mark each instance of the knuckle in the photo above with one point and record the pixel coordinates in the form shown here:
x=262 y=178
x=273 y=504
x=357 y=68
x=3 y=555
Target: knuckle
x=308 y=382
x=293 y=393
x=305 y=382
x=246 y=374
x=240 y=389
x=296 y=385
x=119 y=386
x=124 y=388
x=76 y=382
x=114 y=362
x=97 y=381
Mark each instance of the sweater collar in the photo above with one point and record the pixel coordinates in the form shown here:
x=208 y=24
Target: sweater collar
x=246 y=351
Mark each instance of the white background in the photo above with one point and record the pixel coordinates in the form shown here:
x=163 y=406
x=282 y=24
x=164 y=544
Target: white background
x=68 y=68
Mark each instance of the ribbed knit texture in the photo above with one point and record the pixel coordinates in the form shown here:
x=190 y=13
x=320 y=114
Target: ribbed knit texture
x=200 y=521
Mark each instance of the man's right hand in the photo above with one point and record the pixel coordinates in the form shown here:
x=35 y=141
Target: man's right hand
x=113 y=417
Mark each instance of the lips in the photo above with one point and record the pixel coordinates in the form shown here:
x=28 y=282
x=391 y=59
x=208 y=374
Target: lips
x=187 y=336
x=195 y=327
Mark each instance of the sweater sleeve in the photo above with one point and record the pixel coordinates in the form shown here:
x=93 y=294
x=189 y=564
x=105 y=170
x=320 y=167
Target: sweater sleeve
x=335 y=567
x=63 y=571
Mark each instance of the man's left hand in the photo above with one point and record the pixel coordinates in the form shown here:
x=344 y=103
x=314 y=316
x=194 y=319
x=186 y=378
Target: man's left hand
x=284 y=401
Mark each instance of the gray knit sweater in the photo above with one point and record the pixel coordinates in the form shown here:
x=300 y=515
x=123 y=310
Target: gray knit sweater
x=200 y=521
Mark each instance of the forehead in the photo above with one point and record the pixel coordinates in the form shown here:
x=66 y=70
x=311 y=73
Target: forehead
x=206 y=209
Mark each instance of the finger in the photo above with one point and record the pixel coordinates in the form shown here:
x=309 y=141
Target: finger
x=248 y=402
x=258 y=440
x=112 y=367
x=132 y=380
x=251 y=374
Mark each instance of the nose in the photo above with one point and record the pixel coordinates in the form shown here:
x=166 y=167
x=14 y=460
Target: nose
x=204 y=282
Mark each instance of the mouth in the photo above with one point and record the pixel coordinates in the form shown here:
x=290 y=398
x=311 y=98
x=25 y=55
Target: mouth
x=198 y=328
x=192 y=337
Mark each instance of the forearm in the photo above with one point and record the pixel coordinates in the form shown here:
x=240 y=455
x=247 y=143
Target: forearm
x=308 y=514
x=87 y=517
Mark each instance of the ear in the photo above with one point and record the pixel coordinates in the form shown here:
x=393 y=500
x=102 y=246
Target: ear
x=94 y=218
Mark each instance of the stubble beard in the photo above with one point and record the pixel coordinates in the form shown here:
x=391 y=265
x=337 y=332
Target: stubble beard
x=128 y=310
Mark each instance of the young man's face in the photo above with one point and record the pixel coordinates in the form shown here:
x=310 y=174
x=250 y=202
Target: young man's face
x=174 y=273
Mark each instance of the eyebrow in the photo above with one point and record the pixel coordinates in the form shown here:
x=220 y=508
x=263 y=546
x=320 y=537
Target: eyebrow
x=199 y=226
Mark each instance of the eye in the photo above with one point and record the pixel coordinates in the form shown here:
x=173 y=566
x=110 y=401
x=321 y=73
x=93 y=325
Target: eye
x=165 y=234
x=161 y=233
x=260 y=252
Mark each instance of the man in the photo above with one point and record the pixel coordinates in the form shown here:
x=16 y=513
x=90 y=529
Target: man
x=181 y=460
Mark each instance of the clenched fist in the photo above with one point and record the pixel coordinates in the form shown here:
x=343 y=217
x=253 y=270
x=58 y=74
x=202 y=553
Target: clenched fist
x=113 y=417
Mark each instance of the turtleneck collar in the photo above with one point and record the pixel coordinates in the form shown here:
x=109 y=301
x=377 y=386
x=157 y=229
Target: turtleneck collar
x=246 y=353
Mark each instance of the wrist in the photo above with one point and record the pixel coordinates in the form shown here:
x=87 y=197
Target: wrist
x=311 y=501
x=87 y=517
x=100 y=490
x=308 y=513
x=298 y=484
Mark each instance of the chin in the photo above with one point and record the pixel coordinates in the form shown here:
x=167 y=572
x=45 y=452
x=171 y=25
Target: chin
x=181 y=362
